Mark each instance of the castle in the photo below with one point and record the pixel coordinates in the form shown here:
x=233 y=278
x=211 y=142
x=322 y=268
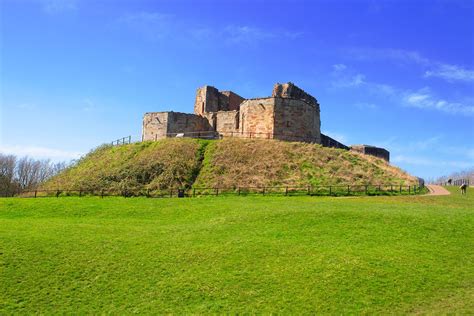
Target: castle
x=288 y=114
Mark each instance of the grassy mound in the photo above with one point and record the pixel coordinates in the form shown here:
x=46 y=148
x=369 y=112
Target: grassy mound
x=172 y=163
x=246 y=162
x=147 y=165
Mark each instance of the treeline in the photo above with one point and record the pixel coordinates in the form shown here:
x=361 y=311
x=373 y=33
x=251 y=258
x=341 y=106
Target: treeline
x=25 y=173
x=467 y=174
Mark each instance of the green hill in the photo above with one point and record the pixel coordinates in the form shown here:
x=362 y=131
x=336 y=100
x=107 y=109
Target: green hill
x=224 y=163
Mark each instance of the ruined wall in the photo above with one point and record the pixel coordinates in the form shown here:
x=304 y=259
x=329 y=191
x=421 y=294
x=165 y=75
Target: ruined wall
x=296 y=120
x=155 y=125
x=227 y=123
x=289 y=90
x=327 y=141
x=233 y=101
x=209 y=99
x=256 y=118
x=372 y=150
x=159 y=125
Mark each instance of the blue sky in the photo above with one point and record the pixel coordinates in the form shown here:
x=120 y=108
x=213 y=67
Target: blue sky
x=397 y=74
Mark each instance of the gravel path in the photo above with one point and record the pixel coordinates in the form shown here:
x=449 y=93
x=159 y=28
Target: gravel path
x=437 y=190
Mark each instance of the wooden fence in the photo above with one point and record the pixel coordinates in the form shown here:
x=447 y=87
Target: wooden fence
x=319 y=190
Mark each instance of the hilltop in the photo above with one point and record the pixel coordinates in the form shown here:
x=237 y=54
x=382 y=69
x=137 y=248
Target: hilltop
x=191 y=163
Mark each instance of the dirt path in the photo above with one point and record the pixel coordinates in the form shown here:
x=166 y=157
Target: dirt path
x=437 y=190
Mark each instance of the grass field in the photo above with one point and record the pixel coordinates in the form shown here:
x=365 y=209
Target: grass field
x=406 y=254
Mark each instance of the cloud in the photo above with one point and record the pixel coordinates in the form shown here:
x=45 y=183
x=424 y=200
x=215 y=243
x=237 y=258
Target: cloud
x=451 y=73
x=400 y=55
x=344 y=77
x=40 y=152
x=246 y=34
x=422 y=161
x=58 y=6
x=425 y=99
x=366 y=105
x=152 y=25
x=433 y=68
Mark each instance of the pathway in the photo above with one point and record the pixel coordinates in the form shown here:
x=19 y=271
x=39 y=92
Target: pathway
x=437 y=190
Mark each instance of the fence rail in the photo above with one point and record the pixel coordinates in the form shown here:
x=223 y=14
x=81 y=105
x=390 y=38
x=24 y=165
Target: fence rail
x=122 y=141
x=456 y=182
x=319 y=190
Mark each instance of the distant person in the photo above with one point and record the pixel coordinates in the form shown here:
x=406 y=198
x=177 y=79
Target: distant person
x=450 y=181
x=463 y=188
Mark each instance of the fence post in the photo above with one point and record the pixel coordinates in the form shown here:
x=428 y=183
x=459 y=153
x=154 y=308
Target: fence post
x=348 y=190
x=409 y=192
x=217 y=191
x=400 y=188
x=35 y=193
x=330 y=190
x=194 y=192
x=130 y=139
x=286 y=191
x=309 y=190
x=366 y=190
x=391 y=188
x=239 y=191
x=57 y=193
x=263 y=191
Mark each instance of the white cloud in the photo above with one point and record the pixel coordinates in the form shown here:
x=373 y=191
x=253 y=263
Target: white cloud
x=339 y=67
x=366 y=105
x=422 y=161
x=152 y=25
x=450 y=73
x=40 y=152
x=400 y=55
x=425 y=99
x=58 y=6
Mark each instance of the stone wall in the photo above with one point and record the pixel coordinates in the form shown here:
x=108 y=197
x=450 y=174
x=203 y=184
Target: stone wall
x=289 y=90
x=155 y=125
x=327 y=141
x=209 y=99
x=227 y=123
x=296 y=120
x=256 y=118
x=166 y=124
x=372 y=150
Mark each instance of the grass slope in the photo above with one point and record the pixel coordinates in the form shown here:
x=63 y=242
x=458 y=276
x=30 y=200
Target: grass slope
x=237 y=255
x=224 y=163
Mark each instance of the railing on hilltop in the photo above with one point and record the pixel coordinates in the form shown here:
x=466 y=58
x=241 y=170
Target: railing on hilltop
x=310 y=190
x=251 y=135
x=456 y=182
x=122 y=141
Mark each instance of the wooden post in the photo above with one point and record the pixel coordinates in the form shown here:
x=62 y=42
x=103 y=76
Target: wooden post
x=409 y=192
x=130 y=139
x=286 y=191
x=348 y=190
x=80 y=193
x=366 y=189
x=391 y=188
x=57 y=193
x=239 y=190
x=102 y=193
x=194 y=192
x=263 y=191
x=217 y=191
x=330 y=190
x=309 y=190
x=400 y=188
x=35 y=193
x=171 y=192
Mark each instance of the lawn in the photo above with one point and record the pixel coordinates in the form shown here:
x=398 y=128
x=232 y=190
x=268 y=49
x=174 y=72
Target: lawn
x=254 y=254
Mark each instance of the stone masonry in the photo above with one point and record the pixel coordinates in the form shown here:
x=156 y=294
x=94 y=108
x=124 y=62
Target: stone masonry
x=288 y=114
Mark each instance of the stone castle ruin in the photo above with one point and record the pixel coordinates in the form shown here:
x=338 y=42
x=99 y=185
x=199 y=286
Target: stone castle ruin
x=288 y=114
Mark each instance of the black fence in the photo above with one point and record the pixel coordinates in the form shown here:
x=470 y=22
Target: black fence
x=320 y=190
x=122 y=141
x=456 y=182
